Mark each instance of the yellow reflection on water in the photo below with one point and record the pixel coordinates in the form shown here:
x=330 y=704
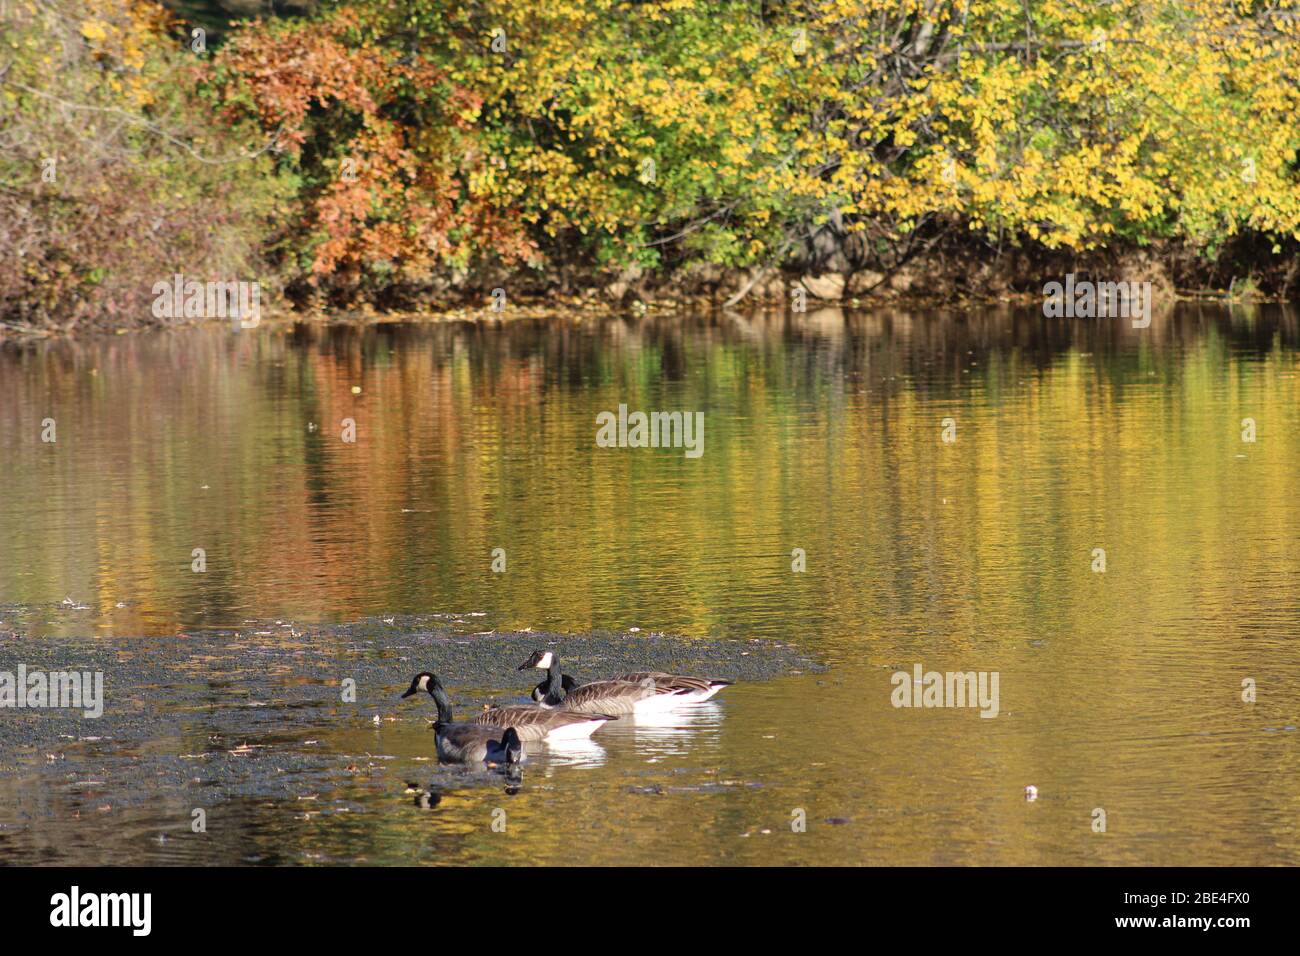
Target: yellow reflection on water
x=1120 y=690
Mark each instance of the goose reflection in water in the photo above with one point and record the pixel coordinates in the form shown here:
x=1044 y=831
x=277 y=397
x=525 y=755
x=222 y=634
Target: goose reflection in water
x=577 y=752
x=659 y=734
x=670 y=732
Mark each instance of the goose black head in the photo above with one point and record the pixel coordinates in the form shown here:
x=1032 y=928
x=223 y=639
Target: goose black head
x=422 y=681
x=429 y=682
x=514 y=747
x=542 y=660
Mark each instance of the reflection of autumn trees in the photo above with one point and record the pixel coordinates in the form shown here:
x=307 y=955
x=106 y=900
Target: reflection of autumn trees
x=821 y=433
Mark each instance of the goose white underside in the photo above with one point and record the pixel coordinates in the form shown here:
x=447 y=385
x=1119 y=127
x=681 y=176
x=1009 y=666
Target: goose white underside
x=657 y=704
x=574 y=731
x=697 y=696
x=660 y=703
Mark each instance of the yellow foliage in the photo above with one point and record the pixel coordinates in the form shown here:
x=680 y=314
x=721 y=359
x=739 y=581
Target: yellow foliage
x=1133 y=118
x=93 y=30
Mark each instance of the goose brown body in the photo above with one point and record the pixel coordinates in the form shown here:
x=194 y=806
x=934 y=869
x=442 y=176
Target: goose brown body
x=630 y=693
x=675 y=681
x=470 y=743
x=612 y=696
x=532 y=722
x=622 y=694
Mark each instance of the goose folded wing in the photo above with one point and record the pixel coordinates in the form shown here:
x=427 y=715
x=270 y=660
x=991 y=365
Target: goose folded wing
x=673 y=682
x=611 y=696
x=532 y=722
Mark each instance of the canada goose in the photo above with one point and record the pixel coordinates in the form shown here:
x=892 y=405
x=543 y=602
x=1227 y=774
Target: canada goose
x=530 y=722
x=689 y=690
x=644 y=694
x=467 y=743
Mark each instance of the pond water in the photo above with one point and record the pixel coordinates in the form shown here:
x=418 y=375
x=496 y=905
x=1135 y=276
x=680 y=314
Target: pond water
x=1118 y=690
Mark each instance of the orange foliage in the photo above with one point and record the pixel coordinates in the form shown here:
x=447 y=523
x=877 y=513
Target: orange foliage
x=383 y=144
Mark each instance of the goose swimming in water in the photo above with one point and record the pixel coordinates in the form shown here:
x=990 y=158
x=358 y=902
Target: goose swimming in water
x=634 y=692
x=528 y=721
x=467 y=743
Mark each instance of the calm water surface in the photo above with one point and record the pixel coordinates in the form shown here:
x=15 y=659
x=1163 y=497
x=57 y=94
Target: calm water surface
x=1119 y=691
